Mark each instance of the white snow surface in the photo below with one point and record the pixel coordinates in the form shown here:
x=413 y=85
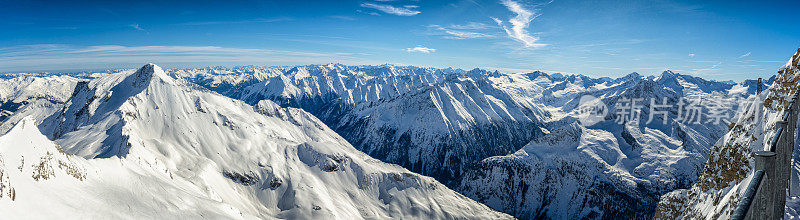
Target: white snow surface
x=35 y=95
x=145 y=145
x=434 y=121
x=427 y=120
x=730 y=165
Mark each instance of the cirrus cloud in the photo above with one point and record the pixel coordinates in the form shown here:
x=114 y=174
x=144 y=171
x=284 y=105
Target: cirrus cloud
x=519 y=24
x=388 y=9
x=745 y=55
x=59 y=57
x=420 y=49
x=136 y=27
x=467 y=31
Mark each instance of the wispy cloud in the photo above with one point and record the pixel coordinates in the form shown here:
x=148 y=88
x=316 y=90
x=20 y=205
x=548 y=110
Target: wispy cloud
x=136 y=27
x=691 y=55
x=420 y=49
x=508 y=70
x=711 y=69
x=153 y=50
x=64 y=28
x=454 y=34
x=56 y=56
x=762 y=61
x=66 y=51
x=519 y=24
x=745 y=55
x=468 y=31
x=342 y=17
x=388 y=9
x=256 y=20
x=471 y=26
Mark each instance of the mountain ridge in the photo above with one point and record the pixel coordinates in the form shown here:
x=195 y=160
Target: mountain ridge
x=260 y=161
x=457 y=126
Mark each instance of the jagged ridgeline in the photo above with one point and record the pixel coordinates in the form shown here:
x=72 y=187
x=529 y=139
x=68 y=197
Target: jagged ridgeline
x=450 y=124
x=141 y=144
x=433 y=122
x=512 y=141
x=730 y=163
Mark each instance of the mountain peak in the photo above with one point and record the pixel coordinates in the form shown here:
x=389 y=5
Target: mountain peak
x=668 y=74
x=478 y=73
x=668 y=77
x=148 y=72
x=24 y=127
x=151 y=70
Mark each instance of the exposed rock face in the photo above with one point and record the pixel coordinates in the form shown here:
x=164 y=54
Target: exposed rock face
x=149 y=141
x=449 y=124
x=511 y=141
x=429 y=121
x=606 y=170
x=730 y=163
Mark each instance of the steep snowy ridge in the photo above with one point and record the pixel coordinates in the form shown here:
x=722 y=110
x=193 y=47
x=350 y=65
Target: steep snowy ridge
x=37 y=173
x=685 y=84
x=440 y=123
x=45 y=92
x=350 y=85
x=730 y=161
x=225 y=81
x=99 y=102
x=607 y=170
x=25 y=88
x=226 y=159
x=551 y=178
x=443 y=128
x=45 y=159
x=512 y=141
x=450 y=119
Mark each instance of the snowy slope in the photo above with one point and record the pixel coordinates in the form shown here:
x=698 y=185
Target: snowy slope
x=220 y=158
x=18 y=91
x=730 y=162
x=225 y=81
x=442 y=129
x=443 y=122
x=434 y=122
x=40 y=176
x=349 y=84
x=606 y=170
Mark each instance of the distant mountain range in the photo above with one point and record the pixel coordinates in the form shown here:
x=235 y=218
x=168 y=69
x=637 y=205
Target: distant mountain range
x=141 y=144
x=276 y=141
x=730 y=164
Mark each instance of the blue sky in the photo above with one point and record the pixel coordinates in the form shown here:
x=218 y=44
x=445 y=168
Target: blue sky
x=724 y=40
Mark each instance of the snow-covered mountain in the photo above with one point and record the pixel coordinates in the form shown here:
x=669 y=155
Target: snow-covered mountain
x=32 y=95
x=141 y=144
x=434 y=122
x=605 y=170
x=730 y=162
x=448 y=124
x=512 y=141
x=17 y=92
